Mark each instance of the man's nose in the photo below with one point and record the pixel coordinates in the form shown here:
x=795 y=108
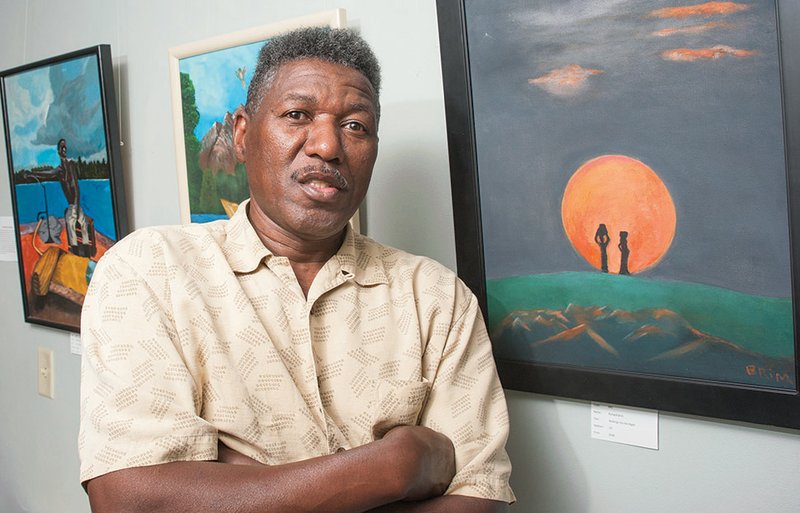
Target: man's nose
x=324 y=141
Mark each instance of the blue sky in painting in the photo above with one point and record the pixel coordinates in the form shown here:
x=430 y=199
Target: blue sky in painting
x=694 y=95
x=217 y=87
x=48 y=103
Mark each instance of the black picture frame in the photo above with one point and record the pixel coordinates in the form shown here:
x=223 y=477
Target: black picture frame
x=760 y=405
x=65 y=173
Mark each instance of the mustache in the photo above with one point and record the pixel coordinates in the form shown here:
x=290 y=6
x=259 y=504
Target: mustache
x=322 y=172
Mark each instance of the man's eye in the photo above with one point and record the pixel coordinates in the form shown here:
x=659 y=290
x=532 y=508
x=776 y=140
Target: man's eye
x=355 y=126
x=295 y=114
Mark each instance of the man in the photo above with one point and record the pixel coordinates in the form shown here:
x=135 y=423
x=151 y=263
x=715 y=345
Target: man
x=279 y=361
x=74 y=218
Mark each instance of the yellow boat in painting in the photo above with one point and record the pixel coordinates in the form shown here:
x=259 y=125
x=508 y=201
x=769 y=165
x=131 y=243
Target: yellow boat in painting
x=229 y=207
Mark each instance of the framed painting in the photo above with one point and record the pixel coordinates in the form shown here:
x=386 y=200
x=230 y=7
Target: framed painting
x=63 y=146
x=626 y=189
x=209 y=81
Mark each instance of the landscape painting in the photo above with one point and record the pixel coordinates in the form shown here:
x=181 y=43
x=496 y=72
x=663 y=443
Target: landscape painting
x=63 y=153
x=214 y=83
x=210 y=80
x=633 y=187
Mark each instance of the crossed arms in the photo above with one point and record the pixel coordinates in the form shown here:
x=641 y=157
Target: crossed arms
x=405 y=471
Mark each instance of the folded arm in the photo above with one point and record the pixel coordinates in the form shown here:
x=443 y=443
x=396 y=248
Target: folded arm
x=410 y=463
x=443 y=504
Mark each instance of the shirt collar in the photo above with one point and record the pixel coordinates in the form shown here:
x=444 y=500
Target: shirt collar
x=362 y=259
x=242 y=247
x=359 y=257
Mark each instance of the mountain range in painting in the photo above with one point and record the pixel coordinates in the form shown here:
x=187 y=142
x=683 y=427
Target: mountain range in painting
x=635 y=336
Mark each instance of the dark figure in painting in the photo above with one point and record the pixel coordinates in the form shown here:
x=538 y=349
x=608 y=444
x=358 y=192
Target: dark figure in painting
x=80 y=229
x=601 y=238
x=624 y=253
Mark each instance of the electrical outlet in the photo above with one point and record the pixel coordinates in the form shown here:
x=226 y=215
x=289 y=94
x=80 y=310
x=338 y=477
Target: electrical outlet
x=45 y=371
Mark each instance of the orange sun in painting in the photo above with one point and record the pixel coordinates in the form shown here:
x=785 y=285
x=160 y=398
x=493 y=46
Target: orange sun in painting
x=624 y=195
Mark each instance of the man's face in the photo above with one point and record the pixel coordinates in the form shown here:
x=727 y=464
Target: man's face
x=310 y=147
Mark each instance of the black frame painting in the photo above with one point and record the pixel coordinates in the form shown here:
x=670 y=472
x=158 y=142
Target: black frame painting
x=63 y=147
x=463 y=38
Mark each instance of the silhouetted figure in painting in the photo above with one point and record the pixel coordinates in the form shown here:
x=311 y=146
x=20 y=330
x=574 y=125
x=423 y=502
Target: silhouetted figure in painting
x=624 y=253
x=80 y=229
x=601 y=238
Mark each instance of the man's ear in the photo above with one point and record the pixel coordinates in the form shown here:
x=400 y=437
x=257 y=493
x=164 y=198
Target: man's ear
x=239 y=132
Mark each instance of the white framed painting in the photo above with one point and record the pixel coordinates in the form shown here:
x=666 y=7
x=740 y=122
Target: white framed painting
x=209 y=81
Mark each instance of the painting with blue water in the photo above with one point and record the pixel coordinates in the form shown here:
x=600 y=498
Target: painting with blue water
x=62 y=141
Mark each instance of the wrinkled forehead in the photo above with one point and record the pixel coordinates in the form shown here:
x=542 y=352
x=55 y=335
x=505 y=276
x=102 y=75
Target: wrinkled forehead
x=297 y=77
x=298 y=72
x=310 y=65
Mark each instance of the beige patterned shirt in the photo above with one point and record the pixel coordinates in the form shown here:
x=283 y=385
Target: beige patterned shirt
x=197 y=333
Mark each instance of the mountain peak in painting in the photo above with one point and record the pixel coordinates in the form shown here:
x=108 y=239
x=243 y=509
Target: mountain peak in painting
x=650 y=340
x=216 y=152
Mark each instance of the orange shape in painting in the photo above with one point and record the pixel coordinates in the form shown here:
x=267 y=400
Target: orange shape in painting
x=625 y=195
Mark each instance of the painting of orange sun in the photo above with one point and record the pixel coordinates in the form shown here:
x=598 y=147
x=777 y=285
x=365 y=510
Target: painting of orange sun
x=618 y=214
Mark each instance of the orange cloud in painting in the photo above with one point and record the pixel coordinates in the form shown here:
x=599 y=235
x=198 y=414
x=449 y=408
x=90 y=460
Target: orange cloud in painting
x=696 y=54
x=700 y=10
x=693 y=29
x=566 y=81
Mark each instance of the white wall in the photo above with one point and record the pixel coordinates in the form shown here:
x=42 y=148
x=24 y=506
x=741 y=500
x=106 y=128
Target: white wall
x=702 y=465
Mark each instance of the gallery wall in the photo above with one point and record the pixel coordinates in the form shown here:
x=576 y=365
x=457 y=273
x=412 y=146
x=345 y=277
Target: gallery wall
x=701 y=465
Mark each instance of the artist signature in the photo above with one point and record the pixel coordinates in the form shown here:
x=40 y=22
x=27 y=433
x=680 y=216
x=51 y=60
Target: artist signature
x=769 y=374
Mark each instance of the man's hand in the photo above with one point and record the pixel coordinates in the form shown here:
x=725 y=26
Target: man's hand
x=425 y=460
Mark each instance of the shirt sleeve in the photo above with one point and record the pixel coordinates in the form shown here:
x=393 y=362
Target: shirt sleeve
x=467 y=404
x=139 y=403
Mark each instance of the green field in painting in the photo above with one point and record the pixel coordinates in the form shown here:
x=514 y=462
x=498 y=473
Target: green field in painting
x=760 y=324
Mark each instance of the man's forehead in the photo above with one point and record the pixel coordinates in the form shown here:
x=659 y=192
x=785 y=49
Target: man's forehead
x=295 y=73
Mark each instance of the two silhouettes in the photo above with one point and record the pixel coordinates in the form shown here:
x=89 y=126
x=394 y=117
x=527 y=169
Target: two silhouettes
x=602 y=239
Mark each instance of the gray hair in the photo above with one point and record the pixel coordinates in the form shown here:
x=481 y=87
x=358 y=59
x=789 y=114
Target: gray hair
x=338 y=46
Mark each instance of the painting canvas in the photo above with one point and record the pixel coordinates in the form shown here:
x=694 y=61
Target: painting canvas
x=209 y=82
x=63 y=158
x=631 y=164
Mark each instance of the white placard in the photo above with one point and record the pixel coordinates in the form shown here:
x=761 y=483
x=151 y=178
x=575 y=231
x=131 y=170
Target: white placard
x=8 y=243
x=629 y=426
x=75 y=345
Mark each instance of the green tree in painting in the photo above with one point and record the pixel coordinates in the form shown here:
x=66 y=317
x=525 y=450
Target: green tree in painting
x=87 y=170
x=233 y=187
x=209 y=195
x=191 y=116
x=92 y=169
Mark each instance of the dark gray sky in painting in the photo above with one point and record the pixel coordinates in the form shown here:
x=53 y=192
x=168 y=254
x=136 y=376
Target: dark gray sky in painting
x=710 y=128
